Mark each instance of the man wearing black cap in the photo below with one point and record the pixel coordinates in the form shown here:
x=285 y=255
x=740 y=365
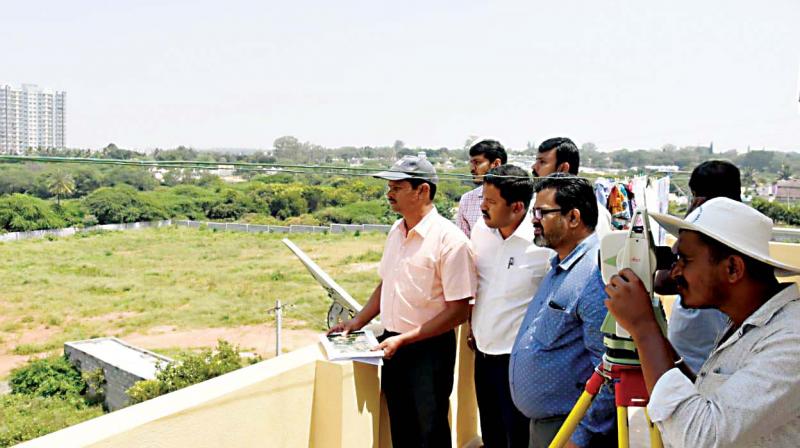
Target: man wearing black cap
x=428 y=277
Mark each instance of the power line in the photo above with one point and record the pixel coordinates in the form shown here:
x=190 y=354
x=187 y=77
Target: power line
x=240 y=166
x=275 y=168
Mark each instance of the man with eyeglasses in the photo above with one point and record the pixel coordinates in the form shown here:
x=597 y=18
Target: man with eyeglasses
x=484 y=154
x=559 y=342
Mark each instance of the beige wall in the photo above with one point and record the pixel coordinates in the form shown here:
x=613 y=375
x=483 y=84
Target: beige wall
x=298 y=399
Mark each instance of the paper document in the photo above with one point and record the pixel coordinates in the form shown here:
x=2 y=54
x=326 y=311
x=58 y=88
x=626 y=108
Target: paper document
x=356 y=346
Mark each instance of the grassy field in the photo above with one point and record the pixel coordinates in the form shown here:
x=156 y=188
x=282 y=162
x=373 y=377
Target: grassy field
x=118 y=283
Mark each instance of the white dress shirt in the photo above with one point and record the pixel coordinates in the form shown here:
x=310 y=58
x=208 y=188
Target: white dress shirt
x=509 y=271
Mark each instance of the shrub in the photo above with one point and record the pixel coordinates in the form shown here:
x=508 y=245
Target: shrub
x=185 y=201
x=780 y=213
x=72 y=212
x=95 y=386
x=366 y=212
x=305 y=219
x=122 y=204
x=195 y=368
x=25 y=417
x=50 y=377
x=231 y=204
x=22 y=213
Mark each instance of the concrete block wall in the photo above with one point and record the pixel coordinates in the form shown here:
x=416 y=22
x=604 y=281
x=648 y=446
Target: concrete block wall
x=117 y=380
x=223 y=226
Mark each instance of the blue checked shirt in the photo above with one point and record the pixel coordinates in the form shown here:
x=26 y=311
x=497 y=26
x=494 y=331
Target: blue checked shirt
x=559 y=343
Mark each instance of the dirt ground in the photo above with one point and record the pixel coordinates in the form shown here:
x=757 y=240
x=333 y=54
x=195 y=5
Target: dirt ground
x=251 y=338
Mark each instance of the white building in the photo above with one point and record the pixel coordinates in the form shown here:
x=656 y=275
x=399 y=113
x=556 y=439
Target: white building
x=31 y=117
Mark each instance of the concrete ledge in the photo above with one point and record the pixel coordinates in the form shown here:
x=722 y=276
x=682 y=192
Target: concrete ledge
x=266 y=404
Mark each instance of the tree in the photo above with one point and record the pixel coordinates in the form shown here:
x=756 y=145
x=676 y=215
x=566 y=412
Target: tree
x=470 y=140
x=61 y=184
x=111 y=205
x=179 y=153
x=785 y=172
x=748 y=177
x=111 y=151
x=16 y=179
x=758 y=160
x=287 y=143
x=139 y=178
x=397 y=147
x=589 y=154
x=230 y=204
x=22 y=213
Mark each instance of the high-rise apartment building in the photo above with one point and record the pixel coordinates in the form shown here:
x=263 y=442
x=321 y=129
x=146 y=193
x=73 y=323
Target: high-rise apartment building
x=31 y=117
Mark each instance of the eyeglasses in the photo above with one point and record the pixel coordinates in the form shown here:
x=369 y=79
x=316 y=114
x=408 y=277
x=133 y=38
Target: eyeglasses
x=538 y=213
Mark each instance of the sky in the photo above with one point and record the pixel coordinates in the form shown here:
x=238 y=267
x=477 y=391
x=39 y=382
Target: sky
x=237 y=74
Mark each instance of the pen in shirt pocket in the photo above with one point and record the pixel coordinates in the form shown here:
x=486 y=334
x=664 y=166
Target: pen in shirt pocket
x=555 y=306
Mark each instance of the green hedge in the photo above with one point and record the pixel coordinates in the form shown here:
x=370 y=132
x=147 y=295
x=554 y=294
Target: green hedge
x=780 y=213
x=266 y=199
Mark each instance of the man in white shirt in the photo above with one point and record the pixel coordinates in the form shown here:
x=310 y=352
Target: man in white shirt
x=561 y=155
x=484 y=154
x=510 y=268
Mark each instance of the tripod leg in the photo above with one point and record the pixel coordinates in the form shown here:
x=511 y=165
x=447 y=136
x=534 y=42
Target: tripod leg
x=622 y=426
x=655 y=436
x=578 y=411
x=575 y=416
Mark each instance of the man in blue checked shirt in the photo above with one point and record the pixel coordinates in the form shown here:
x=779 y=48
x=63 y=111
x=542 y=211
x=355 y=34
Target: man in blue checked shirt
x=559 y=342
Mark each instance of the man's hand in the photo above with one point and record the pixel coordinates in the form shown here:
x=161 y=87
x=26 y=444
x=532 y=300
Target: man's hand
x=391 y=345
x=629 y=302
x=346 y=327
x=471 y=340
x=571 y=444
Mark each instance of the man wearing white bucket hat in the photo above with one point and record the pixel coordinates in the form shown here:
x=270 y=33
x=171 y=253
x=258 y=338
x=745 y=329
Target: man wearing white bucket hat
x=747 y=394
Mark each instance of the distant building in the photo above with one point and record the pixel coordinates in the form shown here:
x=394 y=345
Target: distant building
x=662 y=168
x=31 y=117
x=766 y=191
x=787 y=191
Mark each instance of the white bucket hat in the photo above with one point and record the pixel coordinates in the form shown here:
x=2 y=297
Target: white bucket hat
x=732 y=223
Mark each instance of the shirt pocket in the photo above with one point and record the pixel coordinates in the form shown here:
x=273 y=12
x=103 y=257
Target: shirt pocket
x=418 y=281
x=712 y=381
x=523 y=280
x=553 y=328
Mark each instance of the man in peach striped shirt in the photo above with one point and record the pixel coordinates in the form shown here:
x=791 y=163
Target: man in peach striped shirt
x=428 y=277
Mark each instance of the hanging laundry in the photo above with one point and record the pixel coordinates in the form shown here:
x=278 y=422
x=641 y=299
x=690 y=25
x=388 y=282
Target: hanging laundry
x=619 y=206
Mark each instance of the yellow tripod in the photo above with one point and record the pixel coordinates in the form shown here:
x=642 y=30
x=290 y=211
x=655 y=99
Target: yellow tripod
x=629 y=391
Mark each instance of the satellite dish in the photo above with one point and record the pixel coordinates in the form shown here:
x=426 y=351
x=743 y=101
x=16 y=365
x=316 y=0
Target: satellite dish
x=344 y=306
x=337 y=313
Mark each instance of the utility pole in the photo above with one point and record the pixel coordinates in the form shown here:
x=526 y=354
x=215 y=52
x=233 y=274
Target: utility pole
x=278 y=323
x=278 y=310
